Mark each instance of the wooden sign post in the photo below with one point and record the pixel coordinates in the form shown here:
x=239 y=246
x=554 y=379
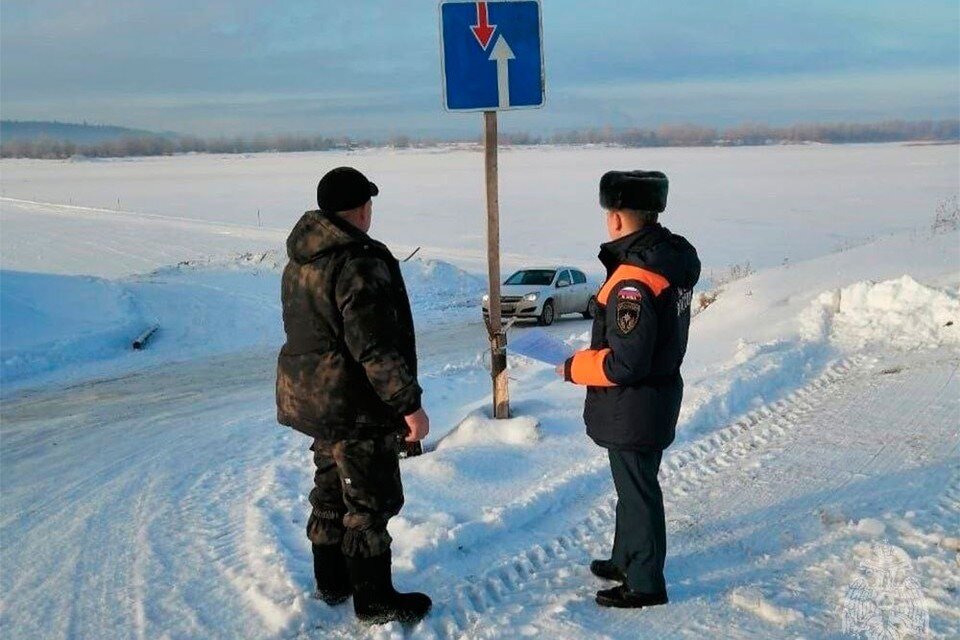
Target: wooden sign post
x=498 y=336
x=491 y=57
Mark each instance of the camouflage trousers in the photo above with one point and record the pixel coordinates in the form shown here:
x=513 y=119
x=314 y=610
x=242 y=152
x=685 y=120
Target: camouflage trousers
x=356 y=491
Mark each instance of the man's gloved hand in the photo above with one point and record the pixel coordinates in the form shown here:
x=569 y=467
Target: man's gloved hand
x=418 y=424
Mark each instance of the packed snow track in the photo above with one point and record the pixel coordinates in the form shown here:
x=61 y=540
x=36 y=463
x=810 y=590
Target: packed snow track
x=195 y=552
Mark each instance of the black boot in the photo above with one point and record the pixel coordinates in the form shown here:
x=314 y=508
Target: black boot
x=623 y=598
x=375 y=601
x=330 y=570
x=607 y=570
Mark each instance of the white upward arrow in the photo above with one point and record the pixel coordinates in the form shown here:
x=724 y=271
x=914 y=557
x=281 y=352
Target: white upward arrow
x=502 y=53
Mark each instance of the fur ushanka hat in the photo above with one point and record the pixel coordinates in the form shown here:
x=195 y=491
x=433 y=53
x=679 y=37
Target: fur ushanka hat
x=637 y=190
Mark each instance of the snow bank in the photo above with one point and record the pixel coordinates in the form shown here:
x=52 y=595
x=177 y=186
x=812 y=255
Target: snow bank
x=434 y=285
x=48 y=321
x=53 y=324
x=480 y=429
x=902 y=313
x=431 y=284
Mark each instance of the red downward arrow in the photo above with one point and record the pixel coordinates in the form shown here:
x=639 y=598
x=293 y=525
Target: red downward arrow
x=483 y=31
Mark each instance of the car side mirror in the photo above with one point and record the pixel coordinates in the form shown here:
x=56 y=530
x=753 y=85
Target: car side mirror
x=562 y=283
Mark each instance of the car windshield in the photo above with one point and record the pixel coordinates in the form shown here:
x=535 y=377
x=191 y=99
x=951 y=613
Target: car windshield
x=538 y=277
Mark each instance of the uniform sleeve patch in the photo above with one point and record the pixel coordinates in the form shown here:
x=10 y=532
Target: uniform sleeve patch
x=628 y=309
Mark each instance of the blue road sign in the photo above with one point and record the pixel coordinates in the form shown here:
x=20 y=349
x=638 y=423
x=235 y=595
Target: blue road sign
x=492 y=55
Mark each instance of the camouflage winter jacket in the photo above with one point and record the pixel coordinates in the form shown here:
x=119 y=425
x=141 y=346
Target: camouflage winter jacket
x=349 y=366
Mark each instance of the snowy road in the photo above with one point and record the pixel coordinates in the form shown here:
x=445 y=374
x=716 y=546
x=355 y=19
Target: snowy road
x=191 y=482
x=161 y=459
x=137 y=497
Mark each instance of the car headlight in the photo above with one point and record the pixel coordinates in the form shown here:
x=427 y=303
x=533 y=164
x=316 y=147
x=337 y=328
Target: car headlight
x=486 y=297
x=531 y=297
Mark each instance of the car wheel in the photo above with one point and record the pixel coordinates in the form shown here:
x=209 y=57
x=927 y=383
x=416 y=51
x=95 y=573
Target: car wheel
x=547 y=314
x=591 y=311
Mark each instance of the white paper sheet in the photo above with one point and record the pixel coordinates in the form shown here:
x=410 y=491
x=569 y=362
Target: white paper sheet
x=539 y=345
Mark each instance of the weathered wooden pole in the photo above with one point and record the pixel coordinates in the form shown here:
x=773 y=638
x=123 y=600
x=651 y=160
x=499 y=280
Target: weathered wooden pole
x=498 y=337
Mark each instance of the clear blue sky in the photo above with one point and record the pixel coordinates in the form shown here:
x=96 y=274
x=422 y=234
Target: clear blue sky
x=371 y=67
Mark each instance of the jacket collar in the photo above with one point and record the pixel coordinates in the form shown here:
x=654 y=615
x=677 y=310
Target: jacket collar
x=355 y=234
x=617 y=252
x=345 y=227
x=318 y=232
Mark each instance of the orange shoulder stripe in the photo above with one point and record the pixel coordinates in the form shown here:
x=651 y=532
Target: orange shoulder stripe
x=655 y=281
x=587 y=368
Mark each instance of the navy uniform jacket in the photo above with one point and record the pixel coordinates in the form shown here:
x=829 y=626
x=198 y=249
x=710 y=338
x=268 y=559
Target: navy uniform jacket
x=632 y=368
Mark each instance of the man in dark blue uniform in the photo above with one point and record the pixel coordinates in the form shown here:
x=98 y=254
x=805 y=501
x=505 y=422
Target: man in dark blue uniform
x=632 y=374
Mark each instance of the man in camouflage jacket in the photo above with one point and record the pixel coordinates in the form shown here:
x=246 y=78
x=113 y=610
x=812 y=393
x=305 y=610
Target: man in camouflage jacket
x=347 y=377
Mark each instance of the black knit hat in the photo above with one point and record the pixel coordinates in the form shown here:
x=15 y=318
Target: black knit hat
x=637 y=190
x=344 y=188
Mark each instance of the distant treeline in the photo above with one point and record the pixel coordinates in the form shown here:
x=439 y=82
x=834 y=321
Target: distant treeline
x=691 y=135
x=165 y=146
x=681 y=135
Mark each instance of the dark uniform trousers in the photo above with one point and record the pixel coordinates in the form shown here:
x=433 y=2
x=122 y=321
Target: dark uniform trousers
x=356 y=491
x=640 y=540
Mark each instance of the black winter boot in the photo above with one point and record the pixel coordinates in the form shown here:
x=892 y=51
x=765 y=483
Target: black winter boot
x=607 y=570
x=375 y=601
x=623 y=598
x=330 y=570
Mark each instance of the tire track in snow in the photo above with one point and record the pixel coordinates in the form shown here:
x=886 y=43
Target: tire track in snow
x=689 y=467
x=141 y=553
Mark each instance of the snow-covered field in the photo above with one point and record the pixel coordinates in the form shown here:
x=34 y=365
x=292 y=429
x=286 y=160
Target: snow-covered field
x=151 y=494
x=758 y=204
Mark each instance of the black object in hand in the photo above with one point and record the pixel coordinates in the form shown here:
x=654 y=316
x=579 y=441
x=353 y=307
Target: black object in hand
x=410 y=449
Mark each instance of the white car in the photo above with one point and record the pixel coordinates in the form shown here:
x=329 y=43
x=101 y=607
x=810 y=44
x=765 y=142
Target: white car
x=545 y=293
